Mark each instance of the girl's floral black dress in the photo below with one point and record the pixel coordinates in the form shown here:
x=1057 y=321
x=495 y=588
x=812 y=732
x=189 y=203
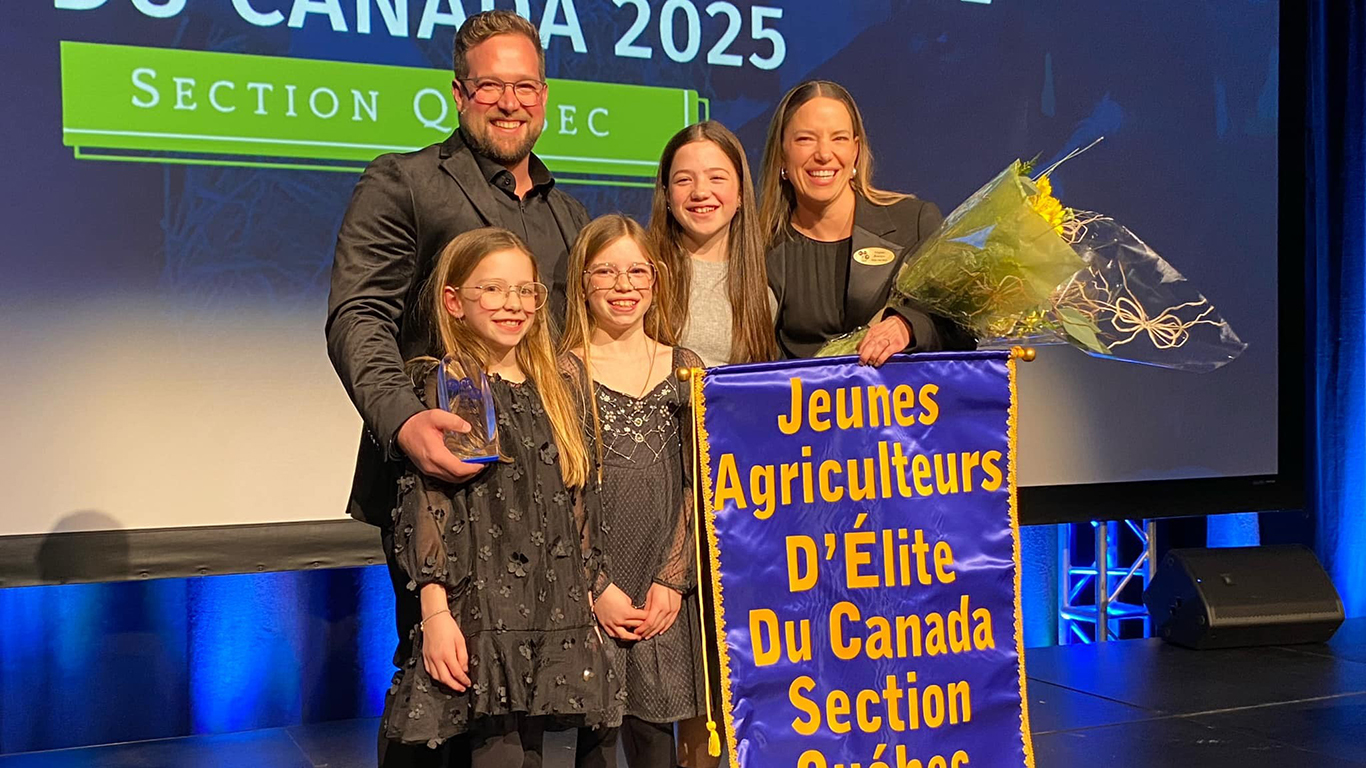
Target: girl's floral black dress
x=516 y=552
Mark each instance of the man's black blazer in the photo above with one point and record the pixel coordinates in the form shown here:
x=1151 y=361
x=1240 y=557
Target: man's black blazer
x=405 y=209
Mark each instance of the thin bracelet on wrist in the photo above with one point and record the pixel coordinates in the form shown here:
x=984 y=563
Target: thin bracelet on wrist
x=422 y=625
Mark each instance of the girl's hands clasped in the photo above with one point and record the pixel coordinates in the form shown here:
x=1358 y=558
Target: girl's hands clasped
x=617 y=615
x=661 y=608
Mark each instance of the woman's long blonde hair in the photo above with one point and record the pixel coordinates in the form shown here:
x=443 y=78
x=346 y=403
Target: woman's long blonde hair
x=535 y=352
x=578 y=328
x=752 y=338
x=779 y=197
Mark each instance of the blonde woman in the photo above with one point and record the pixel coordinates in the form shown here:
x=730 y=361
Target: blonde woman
x=835 y=240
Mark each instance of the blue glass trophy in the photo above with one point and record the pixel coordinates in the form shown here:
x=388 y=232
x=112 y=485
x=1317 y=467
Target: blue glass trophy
x=463 y=389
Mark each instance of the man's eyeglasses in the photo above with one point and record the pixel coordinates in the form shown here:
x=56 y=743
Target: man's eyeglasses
x=489 y=90
x=605 y=276
x=494 y=294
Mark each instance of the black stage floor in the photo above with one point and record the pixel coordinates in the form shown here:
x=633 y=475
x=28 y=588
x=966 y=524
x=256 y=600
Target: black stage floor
x=1130 y=704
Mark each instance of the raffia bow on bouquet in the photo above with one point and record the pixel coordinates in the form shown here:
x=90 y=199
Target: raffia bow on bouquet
x=1012 y=265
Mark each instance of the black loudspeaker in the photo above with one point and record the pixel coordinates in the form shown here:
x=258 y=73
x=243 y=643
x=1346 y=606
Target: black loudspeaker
x=1225 y=598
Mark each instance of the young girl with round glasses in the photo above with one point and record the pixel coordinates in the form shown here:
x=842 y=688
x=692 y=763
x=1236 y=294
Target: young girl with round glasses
x=503 y=560
x=638 y=417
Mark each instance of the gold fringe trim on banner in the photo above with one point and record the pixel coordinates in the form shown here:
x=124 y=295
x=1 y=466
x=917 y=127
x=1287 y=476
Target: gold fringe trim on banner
x=702 y=497
x=1012 y=431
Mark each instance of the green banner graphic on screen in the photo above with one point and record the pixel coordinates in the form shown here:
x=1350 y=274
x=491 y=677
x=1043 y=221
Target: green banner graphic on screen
x=161 y=105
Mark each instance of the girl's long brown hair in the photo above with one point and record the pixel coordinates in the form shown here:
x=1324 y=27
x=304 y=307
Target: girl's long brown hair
x=578 y=328
x=535 y=352
x=752 y=338
x=779 y=197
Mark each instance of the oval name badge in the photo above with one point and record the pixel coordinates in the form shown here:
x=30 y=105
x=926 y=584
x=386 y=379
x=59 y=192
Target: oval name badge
x=873 y=257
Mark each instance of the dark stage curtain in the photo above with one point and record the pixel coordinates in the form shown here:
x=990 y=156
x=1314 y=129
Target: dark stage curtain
x=1335 y=190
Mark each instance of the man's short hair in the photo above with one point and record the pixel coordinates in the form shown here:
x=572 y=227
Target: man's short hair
x=482 y=26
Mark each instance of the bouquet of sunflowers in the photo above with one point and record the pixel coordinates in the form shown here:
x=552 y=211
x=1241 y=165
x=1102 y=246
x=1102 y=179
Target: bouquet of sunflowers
x=1013 y=265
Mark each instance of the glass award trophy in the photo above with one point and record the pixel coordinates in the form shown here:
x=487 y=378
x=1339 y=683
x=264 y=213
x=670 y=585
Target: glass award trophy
x=463 y=389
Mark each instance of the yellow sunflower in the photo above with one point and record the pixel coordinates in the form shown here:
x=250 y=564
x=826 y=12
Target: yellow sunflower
x=1048 y=206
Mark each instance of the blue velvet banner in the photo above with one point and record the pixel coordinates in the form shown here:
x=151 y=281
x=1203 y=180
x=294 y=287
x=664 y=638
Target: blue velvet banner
x=863 y=532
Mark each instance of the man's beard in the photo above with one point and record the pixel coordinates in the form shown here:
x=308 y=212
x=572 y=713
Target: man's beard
x=503 y=155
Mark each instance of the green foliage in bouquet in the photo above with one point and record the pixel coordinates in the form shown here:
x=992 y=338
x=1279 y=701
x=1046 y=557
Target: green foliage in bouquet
x=1012 y=265
x=994 y=265
x=996 y=260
